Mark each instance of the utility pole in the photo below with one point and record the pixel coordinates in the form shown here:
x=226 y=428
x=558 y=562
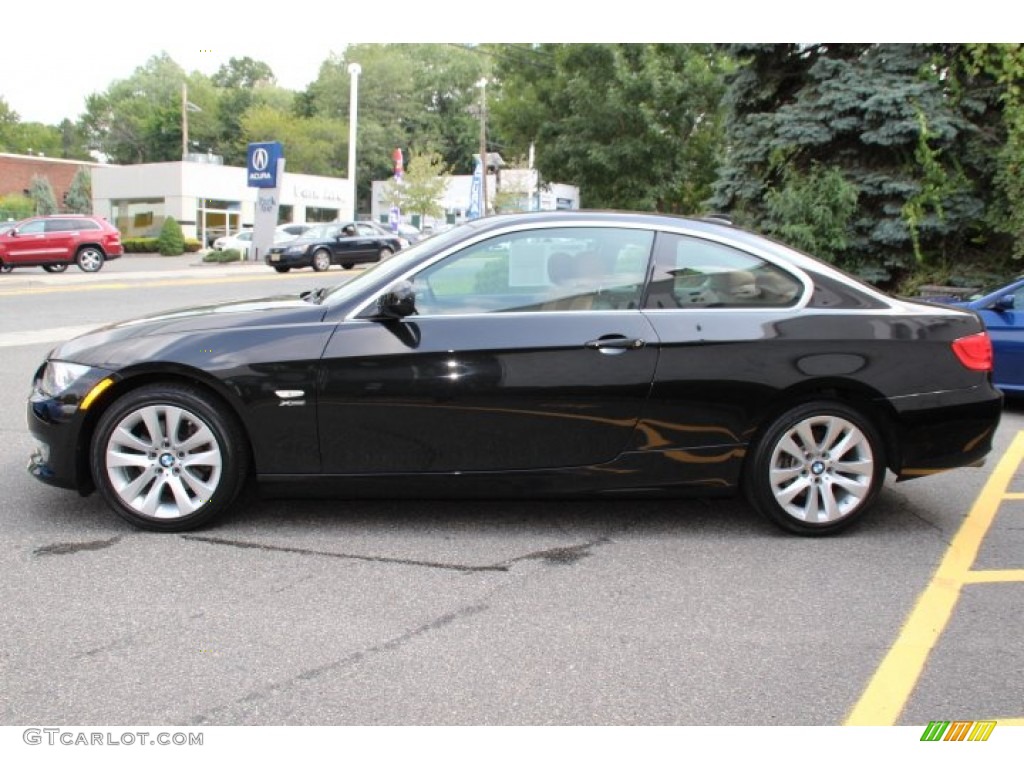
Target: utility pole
x=184 y=120
x=483 y=144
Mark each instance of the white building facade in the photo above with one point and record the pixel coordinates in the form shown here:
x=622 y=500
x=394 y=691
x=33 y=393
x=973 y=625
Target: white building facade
x=208 y=200
x=511 y=189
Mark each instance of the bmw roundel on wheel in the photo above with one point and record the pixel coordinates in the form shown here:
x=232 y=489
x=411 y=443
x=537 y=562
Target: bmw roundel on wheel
x=543 y=354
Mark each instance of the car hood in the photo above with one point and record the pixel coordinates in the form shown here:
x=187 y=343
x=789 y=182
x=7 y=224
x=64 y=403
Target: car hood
x=277 y=311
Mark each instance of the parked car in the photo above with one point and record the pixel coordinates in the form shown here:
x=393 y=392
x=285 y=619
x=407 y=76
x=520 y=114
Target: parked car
x=344 y=243
x=240 y=241
x=54 y=242
x=1002 y=311
x=543 y=354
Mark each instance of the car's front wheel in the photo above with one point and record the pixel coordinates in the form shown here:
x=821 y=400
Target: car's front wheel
x=168 y=457
x=5 y=268
x=816 y=469
x=89 y=259
x=281 y=269
x=321 y=260
x=55 y=267
x=384 y=253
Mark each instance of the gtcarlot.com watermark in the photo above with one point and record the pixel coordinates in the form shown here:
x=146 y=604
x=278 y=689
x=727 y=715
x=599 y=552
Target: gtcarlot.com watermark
x=72 y=738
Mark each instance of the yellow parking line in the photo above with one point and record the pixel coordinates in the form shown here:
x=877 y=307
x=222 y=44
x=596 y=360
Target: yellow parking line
x=118 y=286
x=893 y=682
x=994 y=577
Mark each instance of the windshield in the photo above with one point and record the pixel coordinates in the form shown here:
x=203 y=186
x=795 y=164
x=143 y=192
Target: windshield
x=395 y=265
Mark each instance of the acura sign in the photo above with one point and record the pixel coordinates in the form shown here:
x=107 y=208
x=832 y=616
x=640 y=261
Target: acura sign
x=261 y=168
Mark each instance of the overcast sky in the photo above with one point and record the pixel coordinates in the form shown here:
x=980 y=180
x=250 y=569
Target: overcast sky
x=55 y=53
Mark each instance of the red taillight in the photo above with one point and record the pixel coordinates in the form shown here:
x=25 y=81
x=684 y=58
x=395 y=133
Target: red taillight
x=974 y=352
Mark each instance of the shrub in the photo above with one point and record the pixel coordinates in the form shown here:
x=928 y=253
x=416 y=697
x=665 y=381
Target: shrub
x=220 y=257
x=171 y=241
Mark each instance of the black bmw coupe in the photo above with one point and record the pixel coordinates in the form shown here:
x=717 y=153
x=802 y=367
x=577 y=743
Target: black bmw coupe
x=542 y=354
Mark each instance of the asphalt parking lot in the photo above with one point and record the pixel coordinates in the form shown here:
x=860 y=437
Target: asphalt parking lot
x=488 y=613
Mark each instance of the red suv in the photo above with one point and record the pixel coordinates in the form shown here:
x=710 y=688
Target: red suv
x=54 y=242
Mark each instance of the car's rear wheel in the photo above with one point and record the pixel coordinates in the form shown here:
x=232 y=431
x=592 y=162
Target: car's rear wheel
x=282 y=269
x=168 y=457
x=347 y=264
x=55 y=267
x=5 y=268
x=816 y=469
x=384 y=253
x=89 y=259
x=321 y=260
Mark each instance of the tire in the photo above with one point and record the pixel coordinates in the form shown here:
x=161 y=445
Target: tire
x=384 y=253
x=90 y=259
x=5 y=268
x=55 y=267
x=817 y=469
x=347 y=265
x=281 y=269
x=150 y=484
x=321 y=260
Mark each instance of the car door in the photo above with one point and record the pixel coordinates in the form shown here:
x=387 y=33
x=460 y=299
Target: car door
x=346 y=248
x=27 y=243
x=510 y=363
x=59 y=238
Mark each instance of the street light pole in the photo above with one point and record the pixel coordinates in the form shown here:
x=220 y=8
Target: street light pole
x=354 y=71
x=483 y=145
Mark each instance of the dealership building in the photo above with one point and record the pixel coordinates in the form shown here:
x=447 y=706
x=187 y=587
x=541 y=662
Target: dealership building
x=207 y=199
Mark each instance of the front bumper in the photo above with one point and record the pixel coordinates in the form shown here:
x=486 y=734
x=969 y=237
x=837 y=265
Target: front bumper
x=61 y=429
x=288 y=260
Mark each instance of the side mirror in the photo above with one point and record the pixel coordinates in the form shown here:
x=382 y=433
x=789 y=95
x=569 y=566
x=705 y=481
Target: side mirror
x=1004 y=303
x=397 y=302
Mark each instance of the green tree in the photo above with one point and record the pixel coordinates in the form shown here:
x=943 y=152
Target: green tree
x=899 y=123
x=79 y=195
x=310 y=144
x=41 y=192
x=634 y=126
x=812 y=211
x=171 y=241
x=139 y=119
x=16 y=207
x=409 y=95
x=423 y=185
x=1002 y=65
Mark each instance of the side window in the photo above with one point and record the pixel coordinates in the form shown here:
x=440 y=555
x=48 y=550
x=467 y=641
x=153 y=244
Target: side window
x=552 y=270
x=33 y=227
x=61 y=225
x=695 y=273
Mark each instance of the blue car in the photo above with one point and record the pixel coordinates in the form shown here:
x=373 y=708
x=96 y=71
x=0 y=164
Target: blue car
x=1002 y=311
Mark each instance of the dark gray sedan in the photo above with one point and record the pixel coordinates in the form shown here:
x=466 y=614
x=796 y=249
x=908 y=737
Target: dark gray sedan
x=344 y=243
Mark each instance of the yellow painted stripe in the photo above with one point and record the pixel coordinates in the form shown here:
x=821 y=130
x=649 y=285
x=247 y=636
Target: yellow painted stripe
x=893 y=682
x=994 y=577
x=120 y=286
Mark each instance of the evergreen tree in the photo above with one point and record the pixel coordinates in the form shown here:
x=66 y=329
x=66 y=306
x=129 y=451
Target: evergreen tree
x=79 y=195
x=171 y=241
x=891 y=119
x=42 y=195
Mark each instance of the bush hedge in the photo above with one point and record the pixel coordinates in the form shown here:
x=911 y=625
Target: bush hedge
x=150 y=245
x=220 y=257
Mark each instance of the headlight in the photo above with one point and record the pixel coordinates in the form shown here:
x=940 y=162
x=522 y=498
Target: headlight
x=58 y=376
x=295 y=250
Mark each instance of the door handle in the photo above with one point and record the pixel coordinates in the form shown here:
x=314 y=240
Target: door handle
x=615 y=342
